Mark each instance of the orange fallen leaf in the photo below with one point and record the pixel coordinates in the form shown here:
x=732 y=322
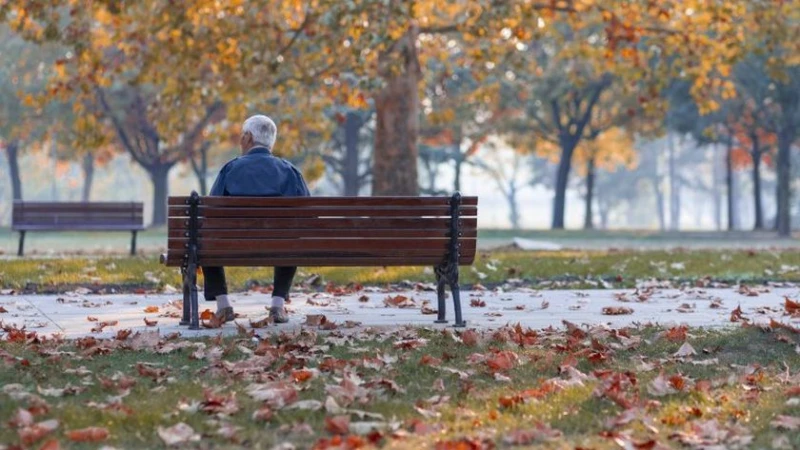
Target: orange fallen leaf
x=90 y=434
x=501 y=361
x=52 y=444
x=300 y=376
x=206 y=315
x=151 y=309
x=737 y=315
x=469 y=338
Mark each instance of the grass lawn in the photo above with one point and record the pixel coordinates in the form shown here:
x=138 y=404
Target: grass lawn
x=557 y=269
x=595 y=388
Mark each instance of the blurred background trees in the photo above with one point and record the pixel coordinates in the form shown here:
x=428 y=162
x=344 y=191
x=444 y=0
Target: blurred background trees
x=629 y=114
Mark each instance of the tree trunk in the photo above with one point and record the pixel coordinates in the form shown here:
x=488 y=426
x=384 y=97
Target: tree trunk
x=662 y=217
x=588 y=222
x=458 y=159
x=159 y=175
x=729 y=186
x=784 y=192
x=759 y=208
x=513 y=207
x=568 y=144
x=200 y=168
x=352 y=128
x=674 y=186
x=397 y=119
x=12 y=153
x=716 y=192
x=88 y=176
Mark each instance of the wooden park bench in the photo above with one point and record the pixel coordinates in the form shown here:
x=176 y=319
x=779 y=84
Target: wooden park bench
x=77 y=216
x=322 y=231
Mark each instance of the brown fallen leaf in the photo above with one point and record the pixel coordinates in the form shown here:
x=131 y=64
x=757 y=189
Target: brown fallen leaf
x=263 y=414
x=427 y=310
x=3 y=310
x=469 y=338
x=737 y=315
x=363 y=298
x=52 y=444
x=92 y=319
x=617 y=310
x=477 y=303
x=315 y=320
x=399 y=301
x=540 y=433
x=150 y=323
x=90 y=434
x=502 y=360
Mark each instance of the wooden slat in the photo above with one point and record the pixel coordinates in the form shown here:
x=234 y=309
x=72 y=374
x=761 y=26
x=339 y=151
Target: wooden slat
x=271 y=245
x=318 y=262
x=398 y=233
x=323 y=201
x=72 y=206
x=317 y=211
x=77 y=227
x=310 y=223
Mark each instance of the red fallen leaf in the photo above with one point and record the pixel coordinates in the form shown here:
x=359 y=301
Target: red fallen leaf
x=300 y=376
x=792 y=307
x=465 y=444
x=349 y=442
x=677 y=381
x=793 y=391
x=507 y=401
x=617 y=310
x=337 y=424
x=470 y=338
x=206 y=314
x=428 y=360
x=52 y=444
x=92 y=319
x=151 y=309
x=90 y=434
x=139 y=291
x=150 y=323
x=477 y=303
x=502 y=361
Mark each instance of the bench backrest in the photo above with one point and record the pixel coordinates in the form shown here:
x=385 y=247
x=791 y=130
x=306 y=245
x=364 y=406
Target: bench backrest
x=77 y=215
x=322 y=231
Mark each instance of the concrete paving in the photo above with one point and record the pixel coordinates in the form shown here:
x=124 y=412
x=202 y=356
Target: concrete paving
x=76 y=314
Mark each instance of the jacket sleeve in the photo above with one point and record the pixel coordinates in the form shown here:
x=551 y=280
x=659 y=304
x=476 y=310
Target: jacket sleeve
x=302 y=188
x=218 y=189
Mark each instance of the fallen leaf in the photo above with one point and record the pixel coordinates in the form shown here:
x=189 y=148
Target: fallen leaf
x=477 y=303
x=469 y=338
x=36 y=432
x=338 y=424
x=90 y=434
x=617 y=310
x=150 y=323
x=151 y=309
x=399 y=301
x=206 y=314
x=501 y=361
x=685 y=350
x=178 y=434
x=789 y=423
x=315 y=320
x=540 y=433
x=791 y=307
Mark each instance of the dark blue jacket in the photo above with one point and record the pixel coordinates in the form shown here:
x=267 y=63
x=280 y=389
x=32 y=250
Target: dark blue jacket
x=259 y=174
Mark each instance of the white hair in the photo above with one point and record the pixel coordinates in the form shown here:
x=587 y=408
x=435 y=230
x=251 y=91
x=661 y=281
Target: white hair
x=263 y=130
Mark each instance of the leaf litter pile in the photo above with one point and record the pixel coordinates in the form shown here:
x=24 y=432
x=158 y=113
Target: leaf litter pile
x=573 y=387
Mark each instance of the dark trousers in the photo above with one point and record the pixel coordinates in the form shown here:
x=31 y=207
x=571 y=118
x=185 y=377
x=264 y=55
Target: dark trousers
x=215 y=283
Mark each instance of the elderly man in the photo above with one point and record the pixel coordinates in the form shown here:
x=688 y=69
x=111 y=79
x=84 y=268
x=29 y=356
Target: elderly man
x=257 y=173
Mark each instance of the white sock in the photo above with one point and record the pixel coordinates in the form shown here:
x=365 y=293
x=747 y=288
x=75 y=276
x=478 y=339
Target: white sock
x=277 y=302
x=222 y=302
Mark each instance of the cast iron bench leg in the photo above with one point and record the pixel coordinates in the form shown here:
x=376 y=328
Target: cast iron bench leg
x=195 y=314
x=133 y=243
x=441 y=282
x=460 y=323
x=185 y=320
x=21 y=249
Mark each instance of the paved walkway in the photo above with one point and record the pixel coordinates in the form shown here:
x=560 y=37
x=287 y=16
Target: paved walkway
x=76 y=314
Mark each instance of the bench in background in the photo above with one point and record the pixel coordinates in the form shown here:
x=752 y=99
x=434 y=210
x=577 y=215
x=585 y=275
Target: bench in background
x=77 y=216
x=322 y=231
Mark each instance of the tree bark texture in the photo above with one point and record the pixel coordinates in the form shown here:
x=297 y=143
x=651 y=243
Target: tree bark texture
x=87 y=165
x=352 y=128
x=588 y=222
x=12 y=153
x=159 y=175
x=784 y=192
x=397 y=119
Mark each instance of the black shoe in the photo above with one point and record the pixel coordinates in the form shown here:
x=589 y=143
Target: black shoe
x=278 y=314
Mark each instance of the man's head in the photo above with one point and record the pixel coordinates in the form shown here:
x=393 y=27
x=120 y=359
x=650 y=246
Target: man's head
x=258 y=131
